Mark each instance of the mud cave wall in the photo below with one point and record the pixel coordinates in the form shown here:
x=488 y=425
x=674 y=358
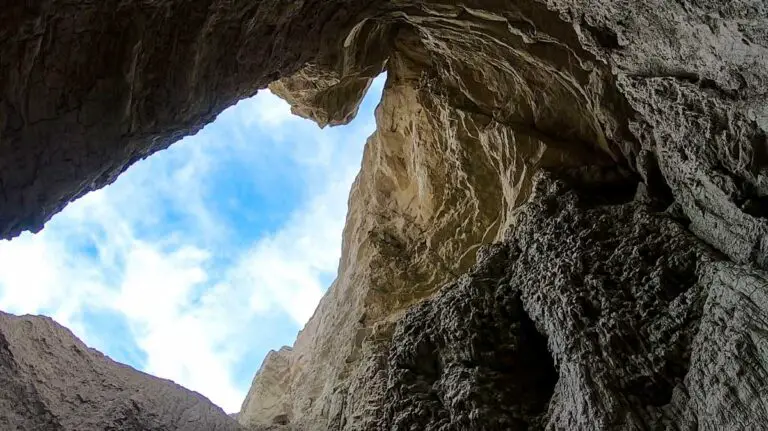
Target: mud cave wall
x=561 y=221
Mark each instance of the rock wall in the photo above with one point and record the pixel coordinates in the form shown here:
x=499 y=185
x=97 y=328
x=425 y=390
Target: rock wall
x=665 y=100
x=615 y=151
x=50 y=380
x=88 y=88
x=588 y=315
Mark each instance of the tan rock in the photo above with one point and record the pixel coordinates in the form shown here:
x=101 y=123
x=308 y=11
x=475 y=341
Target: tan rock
x=436 y=183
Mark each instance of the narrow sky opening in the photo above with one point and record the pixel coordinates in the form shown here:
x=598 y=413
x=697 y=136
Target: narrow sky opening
x=199 y=260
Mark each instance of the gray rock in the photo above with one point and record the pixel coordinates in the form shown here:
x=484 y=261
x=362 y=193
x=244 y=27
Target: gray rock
x=49 y=380
x=607 y=316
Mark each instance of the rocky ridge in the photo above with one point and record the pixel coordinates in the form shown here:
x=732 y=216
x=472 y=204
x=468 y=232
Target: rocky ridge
x=50 y=380
x=614 y=151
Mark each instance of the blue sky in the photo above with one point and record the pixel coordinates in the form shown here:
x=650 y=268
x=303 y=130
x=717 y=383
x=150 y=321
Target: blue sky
x=199 y=260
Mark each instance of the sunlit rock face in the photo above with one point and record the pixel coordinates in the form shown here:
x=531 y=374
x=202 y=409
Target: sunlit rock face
x=656 y=112
x=615 y=152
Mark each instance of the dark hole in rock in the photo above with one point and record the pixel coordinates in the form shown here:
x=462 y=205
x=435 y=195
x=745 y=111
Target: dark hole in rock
x=589 y=309
x=650 y=392
x=752 y=200
x=471 y=358
x=601 y=185
x=756 y=206
x=604 y=36
x=524 y=371
x=280 y=420
x=657 y=390
x=657 y=187
x=540 y=375
x=676 y=212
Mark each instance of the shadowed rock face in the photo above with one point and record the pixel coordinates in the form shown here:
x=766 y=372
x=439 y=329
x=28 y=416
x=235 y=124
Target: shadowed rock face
x=88 y=88
x=52 y=381
x=630 y=306
x=627 y=289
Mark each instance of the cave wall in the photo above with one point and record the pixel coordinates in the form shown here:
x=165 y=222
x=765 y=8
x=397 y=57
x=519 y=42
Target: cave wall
x=615 y=151
x=663 y=102
x=588 y=315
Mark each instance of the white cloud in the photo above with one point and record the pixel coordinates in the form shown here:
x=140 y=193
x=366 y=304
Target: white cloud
x=286 y=269
x=32 y=277
x=268 y=110
x=189 y=304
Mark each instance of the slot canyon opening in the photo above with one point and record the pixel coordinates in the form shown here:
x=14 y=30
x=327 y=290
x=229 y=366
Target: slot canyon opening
x=202 y=258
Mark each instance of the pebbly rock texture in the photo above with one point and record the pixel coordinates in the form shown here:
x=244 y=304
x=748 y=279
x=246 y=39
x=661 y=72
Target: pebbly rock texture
x=628 y=287
x=587 y=316
x=49 y=380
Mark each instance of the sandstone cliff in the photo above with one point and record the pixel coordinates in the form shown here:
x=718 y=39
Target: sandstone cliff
x=49 y=380
x=614 y=151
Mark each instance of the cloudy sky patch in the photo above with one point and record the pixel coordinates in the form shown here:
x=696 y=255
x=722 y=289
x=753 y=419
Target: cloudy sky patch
x=199 y=260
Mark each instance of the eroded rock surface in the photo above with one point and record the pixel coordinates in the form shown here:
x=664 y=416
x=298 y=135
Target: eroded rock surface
x=628 y=305
x=480 y=96
x=52 y=381
x=634 y=282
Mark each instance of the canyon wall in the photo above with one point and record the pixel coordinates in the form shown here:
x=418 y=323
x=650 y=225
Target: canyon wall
x=654 y=114
x=614 y=153
x=653 y=118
